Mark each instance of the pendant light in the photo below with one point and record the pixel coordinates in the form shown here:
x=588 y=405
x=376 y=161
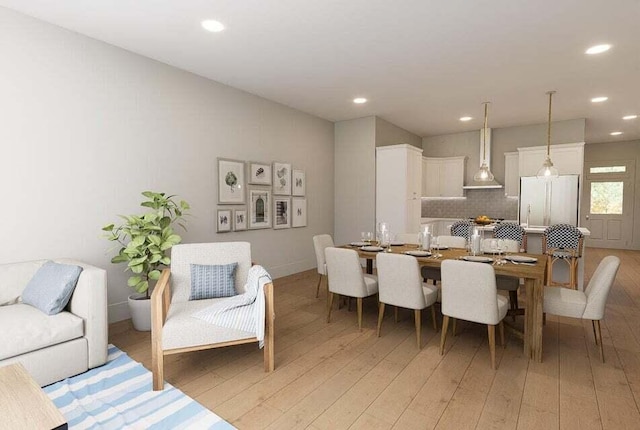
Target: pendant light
x=548 y=171
x=484 y=174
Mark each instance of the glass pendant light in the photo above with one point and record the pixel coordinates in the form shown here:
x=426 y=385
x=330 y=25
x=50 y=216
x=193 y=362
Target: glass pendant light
x=484 y=174
x=548 y=171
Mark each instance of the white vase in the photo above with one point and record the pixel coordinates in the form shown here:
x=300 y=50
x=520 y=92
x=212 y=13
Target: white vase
x=140 y=310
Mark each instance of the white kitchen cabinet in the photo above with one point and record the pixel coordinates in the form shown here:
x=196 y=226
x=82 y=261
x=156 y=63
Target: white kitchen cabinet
x=442 y=177
x=568 y=158
x=398 y=187
x=511 y=174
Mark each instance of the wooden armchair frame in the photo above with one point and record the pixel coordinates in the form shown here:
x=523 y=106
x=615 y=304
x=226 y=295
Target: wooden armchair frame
x=160 y=301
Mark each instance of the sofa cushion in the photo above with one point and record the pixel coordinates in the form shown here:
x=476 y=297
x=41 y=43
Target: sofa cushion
x=14 y=277
x=51 y=287
x=25 y=328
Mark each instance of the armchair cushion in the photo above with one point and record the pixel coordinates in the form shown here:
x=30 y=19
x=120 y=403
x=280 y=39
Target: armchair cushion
x=212 y=281
x=51 y=287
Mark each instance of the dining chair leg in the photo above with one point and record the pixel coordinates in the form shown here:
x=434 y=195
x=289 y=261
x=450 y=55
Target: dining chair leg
x=417 y=313
x=433 y=318
x=513 y=302
x=501 y=328
x=491 y=329
x=595 y=334
x=330 y=306
x=454 y=326
x=359 y=307
x=395 y=313
x=443 y=335
x=380 y=317
x=600 y=340
x=318 y=286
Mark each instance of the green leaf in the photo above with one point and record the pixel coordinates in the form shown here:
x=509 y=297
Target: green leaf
x=184 y=205
x=166 y=260
x=108 y=227
x=119 y=259
x=136 y=261
x=155 y=275
x=155 y=258
x=142 y=286
x=148 y=194
x=165 y=246
x=134 y=280
x=155 y=239
x=137 y=269
x=137 y=241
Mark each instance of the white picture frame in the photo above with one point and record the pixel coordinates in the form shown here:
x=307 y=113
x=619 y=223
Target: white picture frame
x=259 y=215
x=224 y=220
x=231 y=182
x=298 y=183
x=259 y=173
x=281 y=212
x=239 y=219
x=298 y=212
x=281 y=179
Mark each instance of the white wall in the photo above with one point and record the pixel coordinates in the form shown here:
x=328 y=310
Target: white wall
x=390 y=134
x=87 y=126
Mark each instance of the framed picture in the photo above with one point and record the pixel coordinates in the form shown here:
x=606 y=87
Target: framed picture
x=281 y=212
x=224 y=220
x=299 y=183
x=259 y=174
x=259 y=209
x=239 y=219
x=231 y=182
x=299 y=212
x=282 y=179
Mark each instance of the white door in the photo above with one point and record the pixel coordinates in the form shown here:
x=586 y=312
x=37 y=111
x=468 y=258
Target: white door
x=608 y=203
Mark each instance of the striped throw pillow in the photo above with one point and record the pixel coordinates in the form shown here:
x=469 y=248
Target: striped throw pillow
x=212 y=281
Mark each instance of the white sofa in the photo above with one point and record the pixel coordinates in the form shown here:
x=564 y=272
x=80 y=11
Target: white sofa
x=58 y=346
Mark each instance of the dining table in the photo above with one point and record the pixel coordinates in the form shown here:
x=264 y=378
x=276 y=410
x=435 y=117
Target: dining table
x=532 y=273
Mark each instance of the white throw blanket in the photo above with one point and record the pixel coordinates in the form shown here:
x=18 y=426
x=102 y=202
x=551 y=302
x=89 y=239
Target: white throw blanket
x=244 y=312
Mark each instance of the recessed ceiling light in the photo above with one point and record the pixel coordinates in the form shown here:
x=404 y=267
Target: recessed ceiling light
x=615 y=133
x=465 y=118
x=359 y=100
x=599 y=99
x=628 y=117
x=598 y=49
x=212 y=25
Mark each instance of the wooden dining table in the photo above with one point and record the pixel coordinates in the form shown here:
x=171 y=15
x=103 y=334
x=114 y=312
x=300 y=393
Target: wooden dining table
x=533 y=275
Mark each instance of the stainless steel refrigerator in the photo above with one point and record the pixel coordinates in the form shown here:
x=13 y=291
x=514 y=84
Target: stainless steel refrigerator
x=545 y=203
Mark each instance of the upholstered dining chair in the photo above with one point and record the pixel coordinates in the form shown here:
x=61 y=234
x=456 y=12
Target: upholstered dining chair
x=320 y=243
x=433 y=273
x=562 y=242
x=399 y=285
x=461 y=228
x=588 y=304
x=347 y=279
x=504 y=282
x=407 y=238
x=174 y=329
x=469 y=293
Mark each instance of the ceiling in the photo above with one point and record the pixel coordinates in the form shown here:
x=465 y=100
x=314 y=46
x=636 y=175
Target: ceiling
x=421 y=63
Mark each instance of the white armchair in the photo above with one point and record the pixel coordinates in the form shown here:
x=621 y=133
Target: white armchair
x=174 y=330
x=588 y=304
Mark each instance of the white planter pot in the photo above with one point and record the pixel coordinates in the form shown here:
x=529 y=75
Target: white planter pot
x=140 y=310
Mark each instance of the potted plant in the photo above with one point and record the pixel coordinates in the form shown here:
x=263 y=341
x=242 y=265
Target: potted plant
x=144 y=244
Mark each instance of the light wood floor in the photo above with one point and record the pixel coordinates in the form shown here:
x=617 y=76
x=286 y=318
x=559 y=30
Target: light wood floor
x=332 y=376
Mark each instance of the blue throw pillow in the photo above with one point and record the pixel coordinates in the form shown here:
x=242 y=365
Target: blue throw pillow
x=213 y=281
x=51 y=287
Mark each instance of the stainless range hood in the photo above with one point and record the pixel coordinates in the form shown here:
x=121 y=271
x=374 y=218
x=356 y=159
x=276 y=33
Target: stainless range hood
x=485 y=148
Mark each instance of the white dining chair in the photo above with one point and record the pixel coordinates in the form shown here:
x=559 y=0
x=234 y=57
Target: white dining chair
x=399 y=285
x=433 y=273
x=469 y=293
x=320 y=243
x=588 y=304
x=407 y=238
x=511 y=284
x=347 y=279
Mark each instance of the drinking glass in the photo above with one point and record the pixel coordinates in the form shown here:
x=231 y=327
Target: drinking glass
x=363 y=236
x=501 y=247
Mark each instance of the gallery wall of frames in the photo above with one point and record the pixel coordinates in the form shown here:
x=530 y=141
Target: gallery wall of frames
x=254 y=195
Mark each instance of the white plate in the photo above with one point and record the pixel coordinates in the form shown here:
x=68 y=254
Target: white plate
x=521 y=259
x=477 y=258
x=418 y=253
x=358 y=244
x=397 y=244
x=372 y=248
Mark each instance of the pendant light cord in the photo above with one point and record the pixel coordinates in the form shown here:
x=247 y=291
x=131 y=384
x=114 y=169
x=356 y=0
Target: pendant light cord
x=551 y=93
x=484 y=143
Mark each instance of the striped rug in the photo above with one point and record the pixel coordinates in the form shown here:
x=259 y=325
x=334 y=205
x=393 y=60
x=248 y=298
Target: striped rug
x=118 y=395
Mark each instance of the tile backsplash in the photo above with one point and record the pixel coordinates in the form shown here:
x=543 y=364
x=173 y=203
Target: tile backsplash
x=492 y=203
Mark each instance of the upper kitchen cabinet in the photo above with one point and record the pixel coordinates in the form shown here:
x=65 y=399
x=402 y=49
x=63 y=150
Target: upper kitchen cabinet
x=568 y=158
x=398 y=187
x=442 y=177
x=511 y=174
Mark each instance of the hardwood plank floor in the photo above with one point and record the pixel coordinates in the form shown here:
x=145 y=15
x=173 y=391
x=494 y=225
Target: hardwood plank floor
x=333 y=376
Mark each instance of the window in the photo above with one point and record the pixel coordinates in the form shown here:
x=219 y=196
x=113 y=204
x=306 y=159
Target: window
x=606 y=197
x=608 y=169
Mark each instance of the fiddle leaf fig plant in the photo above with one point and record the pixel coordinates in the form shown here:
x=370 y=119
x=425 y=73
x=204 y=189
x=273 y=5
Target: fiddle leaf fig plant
x=145 y=239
